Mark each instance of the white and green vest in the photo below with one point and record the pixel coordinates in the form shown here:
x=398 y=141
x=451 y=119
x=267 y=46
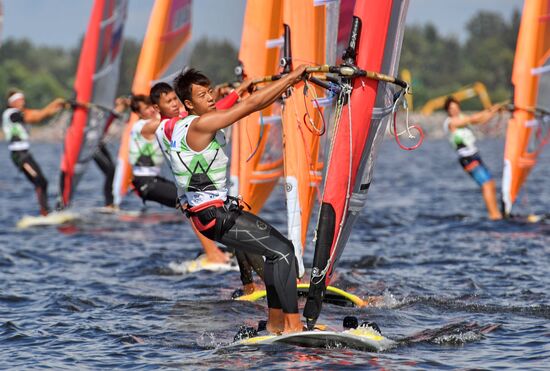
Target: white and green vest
x=15 y=132
x=200 y=176
x=145 y=155
x=462 y=139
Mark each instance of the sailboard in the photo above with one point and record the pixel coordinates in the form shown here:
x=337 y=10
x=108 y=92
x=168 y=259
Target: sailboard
x=167 y=34
x=53 y=218
x=256 y=147
x=375 y=45
x=364 y=337
x=529 y=128
x=95 y=88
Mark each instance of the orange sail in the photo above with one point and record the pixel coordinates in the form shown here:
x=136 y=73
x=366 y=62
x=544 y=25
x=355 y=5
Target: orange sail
x=256 y=162
x=303 y=122
x=528 y=128
x=168 y=31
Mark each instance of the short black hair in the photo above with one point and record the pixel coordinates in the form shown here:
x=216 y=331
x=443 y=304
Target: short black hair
x=157 y=90
x=450 y=99
x=136 y=100
x=184 y=81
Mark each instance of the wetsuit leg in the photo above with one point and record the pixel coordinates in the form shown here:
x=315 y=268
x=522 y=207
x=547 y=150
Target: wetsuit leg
x=156 y=189
x=26 y=163
x=247 y=232
x=247 y=263
x=103 y=159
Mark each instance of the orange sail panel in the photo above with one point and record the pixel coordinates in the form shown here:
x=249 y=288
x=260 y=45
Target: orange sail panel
x=528 y=128
x=256 y=161
x=303 y=122
x=95 y=86
x=168 y=31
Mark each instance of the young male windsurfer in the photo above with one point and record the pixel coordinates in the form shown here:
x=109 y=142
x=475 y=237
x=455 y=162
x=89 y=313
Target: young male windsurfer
x=200 y=168
x=463 y=140
x=146 y=158
x=14 y=123
x=168 y=106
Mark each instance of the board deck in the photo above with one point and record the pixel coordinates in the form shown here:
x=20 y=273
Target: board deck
x=333 y=295
x=201 y=263
x=361 y=338
x=54 y=218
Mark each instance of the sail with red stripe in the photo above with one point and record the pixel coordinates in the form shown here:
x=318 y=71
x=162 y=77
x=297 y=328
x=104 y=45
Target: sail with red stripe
x=167 y=34
x=95 y=88
x=375 y=45
x=529 y=128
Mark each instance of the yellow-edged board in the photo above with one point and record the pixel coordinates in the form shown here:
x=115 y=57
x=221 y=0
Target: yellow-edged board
x=53 y=218
x=333 y=295
x=361 y=338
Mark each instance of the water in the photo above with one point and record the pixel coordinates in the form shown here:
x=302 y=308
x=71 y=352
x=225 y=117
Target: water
x=100 y=294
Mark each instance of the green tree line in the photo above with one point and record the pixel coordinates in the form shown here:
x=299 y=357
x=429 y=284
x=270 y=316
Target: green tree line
x=439 y=64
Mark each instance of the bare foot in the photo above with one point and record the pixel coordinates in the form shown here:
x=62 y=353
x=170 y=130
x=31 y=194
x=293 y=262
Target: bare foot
x=275 y=321
x=292 y=323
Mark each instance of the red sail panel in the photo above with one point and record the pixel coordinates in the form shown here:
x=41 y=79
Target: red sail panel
x=356 y=137
x=96 y=82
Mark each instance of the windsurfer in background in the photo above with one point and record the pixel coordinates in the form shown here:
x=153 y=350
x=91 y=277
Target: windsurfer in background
x=103 y=158
x=199 y=165
x=168 y=106
x=146 y=158
x=463 y=141
x=14 y=123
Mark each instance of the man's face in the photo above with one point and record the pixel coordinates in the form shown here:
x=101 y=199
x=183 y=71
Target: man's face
x=454 y=109
x=146 y=111
x=168 y=105
x=202 y=100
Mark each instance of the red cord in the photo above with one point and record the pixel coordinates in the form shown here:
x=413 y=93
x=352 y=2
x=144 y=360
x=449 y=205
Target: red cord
x=417 y=128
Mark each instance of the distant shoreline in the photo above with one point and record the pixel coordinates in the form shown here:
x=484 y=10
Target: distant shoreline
x=432 y=126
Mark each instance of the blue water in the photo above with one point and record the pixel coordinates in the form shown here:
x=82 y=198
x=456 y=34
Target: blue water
x=101 y=293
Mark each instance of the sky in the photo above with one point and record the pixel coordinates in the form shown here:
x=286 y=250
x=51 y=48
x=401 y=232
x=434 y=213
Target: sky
x=62 y=22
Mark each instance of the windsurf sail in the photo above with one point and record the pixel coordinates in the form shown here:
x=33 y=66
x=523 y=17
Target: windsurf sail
x=256 y=160
x=374 y=45
x=303 y=121
x=168 y=32
x=528 y=129
x=95 y=89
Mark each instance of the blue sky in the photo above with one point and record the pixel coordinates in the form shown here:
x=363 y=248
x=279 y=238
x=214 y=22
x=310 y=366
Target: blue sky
x=62 y=22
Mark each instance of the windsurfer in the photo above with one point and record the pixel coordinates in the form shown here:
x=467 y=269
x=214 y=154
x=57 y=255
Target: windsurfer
x=168 y=107
x=14 y=123
x=146 y=158
x=199 y=165
x=463 y=141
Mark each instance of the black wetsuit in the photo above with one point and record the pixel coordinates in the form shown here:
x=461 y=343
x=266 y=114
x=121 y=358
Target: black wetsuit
x=103 y=159
x=228 y=224
x=23 y=159
x=26 y=163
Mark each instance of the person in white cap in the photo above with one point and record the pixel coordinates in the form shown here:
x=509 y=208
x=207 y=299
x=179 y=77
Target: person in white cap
x=14 y=124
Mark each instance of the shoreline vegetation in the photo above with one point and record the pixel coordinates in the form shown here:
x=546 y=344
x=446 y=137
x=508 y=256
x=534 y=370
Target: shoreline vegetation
x=438 y=64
